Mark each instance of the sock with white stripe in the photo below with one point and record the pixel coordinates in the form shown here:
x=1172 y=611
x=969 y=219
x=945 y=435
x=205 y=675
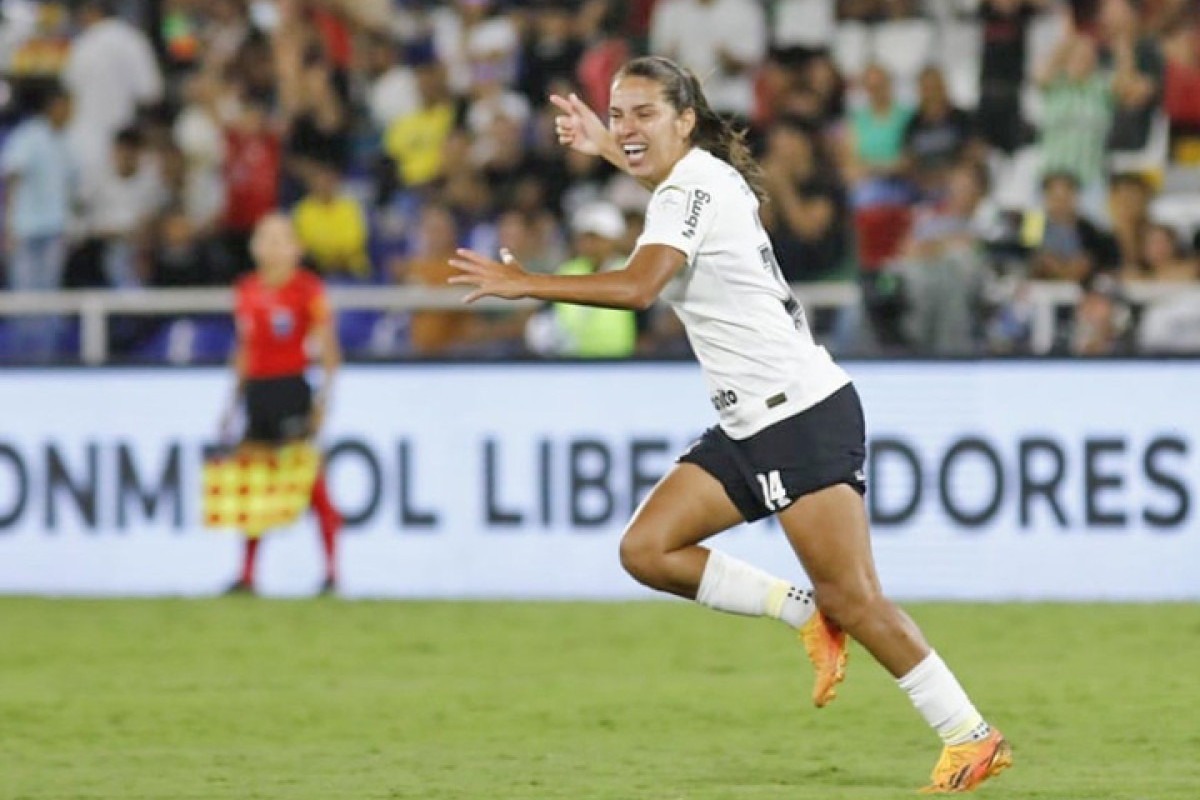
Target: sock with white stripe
x=940 y=699
x=736 y=587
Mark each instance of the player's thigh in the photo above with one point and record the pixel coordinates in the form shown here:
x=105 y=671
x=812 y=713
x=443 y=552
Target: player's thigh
x=829 y=531
x=686 y=507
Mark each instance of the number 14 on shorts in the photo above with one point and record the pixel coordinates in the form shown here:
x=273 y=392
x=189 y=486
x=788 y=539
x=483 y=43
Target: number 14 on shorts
x=774 y=495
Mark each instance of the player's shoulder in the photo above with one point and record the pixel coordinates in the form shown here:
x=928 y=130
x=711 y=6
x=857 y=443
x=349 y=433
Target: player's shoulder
x=701 y=170
x=309 y=281
x=245 y=284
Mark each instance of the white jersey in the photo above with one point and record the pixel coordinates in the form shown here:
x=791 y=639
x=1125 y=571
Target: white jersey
x=747 y=330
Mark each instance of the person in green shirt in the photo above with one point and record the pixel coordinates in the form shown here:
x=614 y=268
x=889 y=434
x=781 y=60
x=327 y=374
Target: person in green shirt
x=583 y=331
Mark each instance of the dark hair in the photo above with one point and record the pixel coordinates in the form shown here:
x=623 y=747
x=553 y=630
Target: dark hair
x=1131 y=179
x=979 y=173
x=681 y=88
x=40 y=96
x=1060 y=176
x=129 y=137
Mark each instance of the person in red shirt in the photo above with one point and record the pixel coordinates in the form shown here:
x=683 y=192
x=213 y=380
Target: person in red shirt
x=280 y=309
x=253 y=160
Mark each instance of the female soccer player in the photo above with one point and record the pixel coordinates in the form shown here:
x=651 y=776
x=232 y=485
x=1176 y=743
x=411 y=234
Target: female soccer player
x=791 y=436
x=279 y=308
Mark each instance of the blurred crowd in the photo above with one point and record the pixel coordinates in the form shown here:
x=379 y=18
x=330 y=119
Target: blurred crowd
x=944 y=158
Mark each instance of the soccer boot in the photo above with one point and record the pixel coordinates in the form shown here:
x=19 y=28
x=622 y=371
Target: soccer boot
x=825 y=643
x=963 y=767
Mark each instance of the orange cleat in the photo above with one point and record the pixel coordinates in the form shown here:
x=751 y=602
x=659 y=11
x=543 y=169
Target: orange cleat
x=963 y=767
x=825 y=643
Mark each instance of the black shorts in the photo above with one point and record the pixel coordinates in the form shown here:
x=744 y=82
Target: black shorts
x=277 y=409
x=820 y=447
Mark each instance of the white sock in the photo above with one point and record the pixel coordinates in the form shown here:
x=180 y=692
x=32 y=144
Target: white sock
x=937 y=694
x=736 y=587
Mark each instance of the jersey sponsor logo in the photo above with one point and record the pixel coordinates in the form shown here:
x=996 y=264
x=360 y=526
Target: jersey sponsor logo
x=697 y=200
x=282 y=322
x=723 y=399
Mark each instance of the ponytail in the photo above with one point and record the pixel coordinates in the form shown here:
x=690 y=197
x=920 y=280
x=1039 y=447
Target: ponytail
x=715 y=134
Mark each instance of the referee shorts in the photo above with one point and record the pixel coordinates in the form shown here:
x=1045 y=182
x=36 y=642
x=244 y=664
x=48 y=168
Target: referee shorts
x=820 y=447
x=277 y=409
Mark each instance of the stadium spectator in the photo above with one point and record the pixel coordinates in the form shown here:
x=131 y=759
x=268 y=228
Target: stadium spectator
x=452 y=24
x=938 y=136
x=873 y=144
x=1136 y=62
x=1077 y=116
x=492 y=49
x=944 y=269
x=435 y=333
x=521 y=235
x=281 y=311
x=1005 y=31
x=416 y=141
x=580 y=331
x=120 y=201
x=1181 y=90
x=1065 y=245
x=806 y=212
x=252 y=172
x=1165 y=257
x=332 y=227
x=605 y=49
x=550 y=50
x=1129 y=201
x=821 y=77
x=392 y=90
x=1101 y=323
x=181 y=255
x=39 y=180
x=314 y=117
x=112 y=74
x=200 y=137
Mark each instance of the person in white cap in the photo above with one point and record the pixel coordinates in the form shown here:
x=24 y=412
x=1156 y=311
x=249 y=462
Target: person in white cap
x=567 y=329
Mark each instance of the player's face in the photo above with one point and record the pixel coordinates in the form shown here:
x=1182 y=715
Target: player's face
x=651 y=133
x=276 y=249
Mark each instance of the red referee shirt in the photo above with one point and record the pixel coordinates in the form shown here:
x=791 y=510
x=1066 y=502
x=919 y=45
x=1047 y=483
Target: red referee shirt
x=274 y=322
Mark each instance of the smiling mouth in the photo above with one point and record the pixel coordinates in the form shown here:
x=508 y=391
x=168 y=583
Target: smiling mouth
x=635 y=154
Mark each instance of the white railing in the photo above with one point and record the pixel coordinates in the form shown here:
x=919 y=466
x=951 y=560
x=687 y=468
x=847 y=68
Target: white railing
x=94 y=307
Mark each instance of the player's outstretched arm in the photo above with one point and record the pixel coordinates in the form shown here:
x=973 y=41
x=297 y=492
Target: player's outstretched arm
x=581 y=129
x=635 y=287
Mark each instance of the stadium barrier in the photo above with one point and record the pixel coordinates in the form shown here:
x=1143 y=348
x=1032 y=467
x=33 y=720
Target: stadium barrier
x=989 y=480
x=96 y=308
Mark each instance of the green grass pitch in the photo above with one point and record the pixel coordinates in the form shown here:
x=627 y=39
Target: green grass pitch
x=244 y=698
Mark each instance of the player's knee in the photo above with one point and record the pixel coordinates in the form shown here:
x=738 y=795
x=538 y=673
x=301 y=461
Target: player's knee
x=641 y=558
x=848 y=602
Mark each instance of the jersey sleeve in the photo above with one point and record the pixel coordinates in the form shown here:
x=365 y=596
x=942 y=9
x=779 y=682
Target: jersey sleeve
x=15 y=157
x=679 y=217
x=318 y=302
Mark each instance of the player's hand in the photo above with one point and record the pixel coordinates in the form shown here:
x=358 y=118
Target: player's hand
x=504 y=278
x=577 y=126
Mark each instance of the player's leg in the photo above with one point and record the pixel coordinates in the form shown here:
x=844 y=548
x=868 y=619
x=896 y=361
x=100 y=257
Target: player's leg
x=828 y=529
x=330 y=523
x=661 y=549
x=253 y=449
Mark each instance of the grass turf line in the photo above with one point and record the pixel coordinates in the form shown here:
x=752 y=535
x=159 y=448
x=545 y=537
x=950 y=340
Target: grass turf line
x=244 y=698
